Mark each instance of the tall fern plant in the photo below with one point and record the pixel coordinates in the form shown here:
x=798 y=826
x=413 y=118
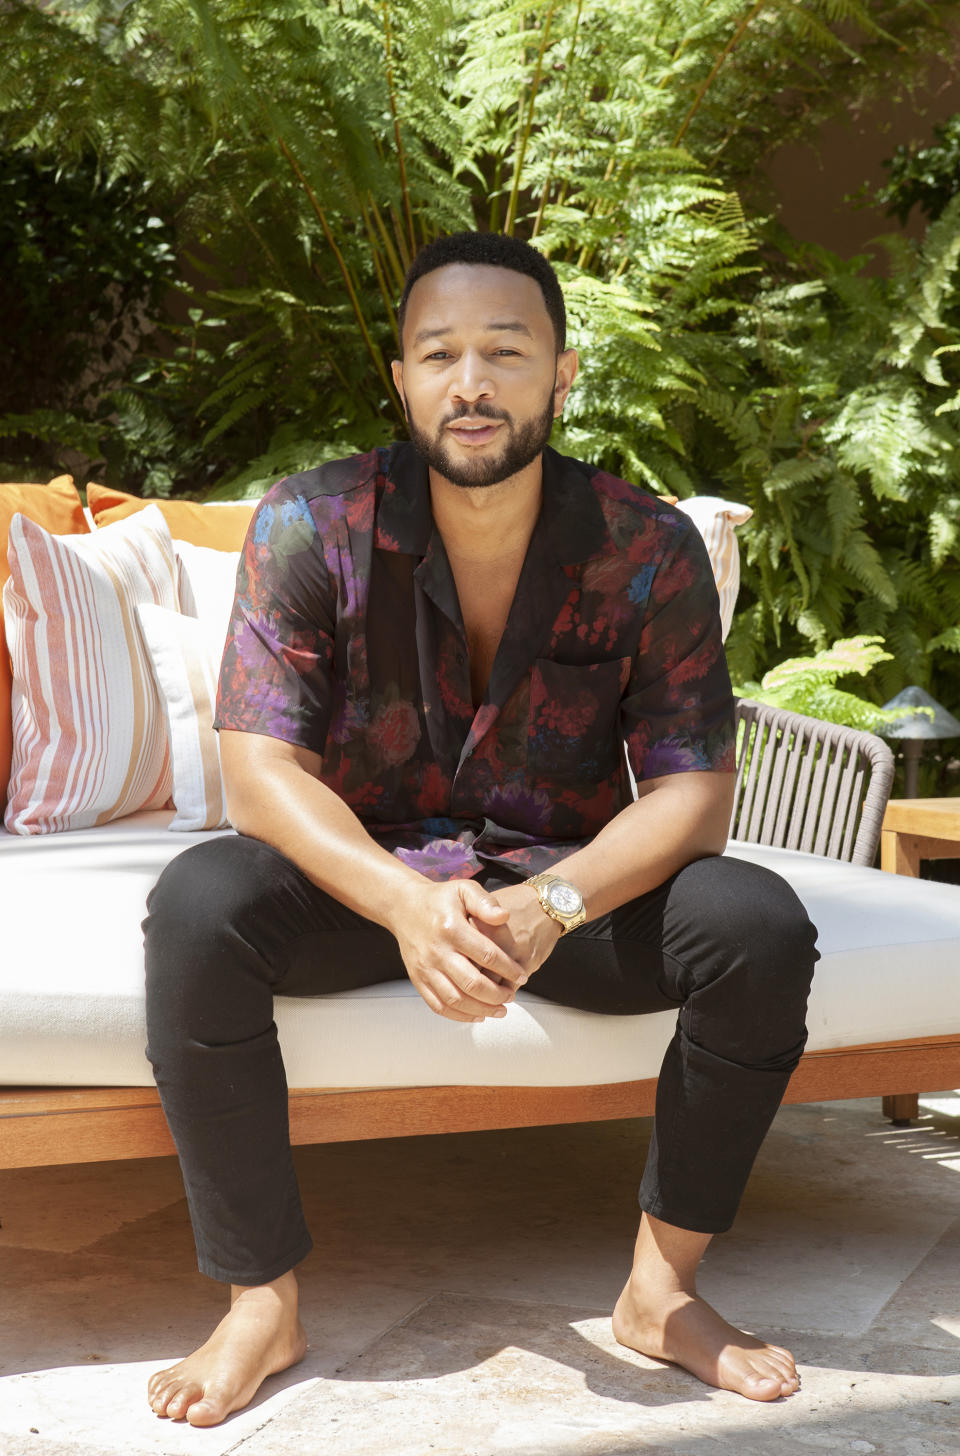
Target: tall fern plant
x=845 y=442
x=306 y=148
x=310 y=146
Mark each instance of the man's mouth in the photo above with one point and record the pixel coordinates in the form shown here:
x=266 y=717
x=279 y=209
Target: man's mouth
x=474 y=432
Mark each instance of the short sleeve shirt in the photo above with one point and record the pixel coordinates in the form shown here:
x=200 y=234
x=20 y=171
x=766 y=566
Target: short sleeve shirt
x=347 y=639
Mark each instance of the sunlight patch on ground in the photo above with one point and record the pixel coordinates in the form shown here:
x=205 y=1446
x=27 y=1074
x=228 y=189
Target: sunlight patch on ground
x=946 y=1103
x=924 y=1139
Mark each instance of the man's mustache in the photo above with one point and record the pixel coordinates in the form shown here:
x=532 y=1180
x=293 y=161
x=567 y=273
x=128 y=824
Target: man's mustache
x=475 y=412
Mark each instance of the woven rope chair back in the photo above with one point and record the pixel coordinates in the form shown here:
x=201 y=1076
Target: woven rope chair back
x=808 y=785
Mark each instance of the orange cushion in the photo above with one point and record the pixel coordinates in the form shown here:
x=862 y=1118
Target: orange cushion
x=59 y=509
x=220 y=524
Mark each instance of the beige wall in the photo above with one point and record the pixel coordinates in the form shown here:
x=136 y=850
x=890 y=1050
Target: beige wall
x=808 y=184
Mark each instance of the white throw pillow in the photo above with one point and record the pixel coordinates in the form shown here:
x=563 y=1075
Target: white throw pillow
x=89 y=735
x=185 y=654
x=716 y=520
x=208 y=580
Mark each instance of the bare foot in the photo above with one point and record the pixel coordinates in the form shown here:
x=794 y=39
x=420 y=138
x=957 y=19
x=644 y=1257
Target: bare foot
x=685 y=1330
x=260 y=1336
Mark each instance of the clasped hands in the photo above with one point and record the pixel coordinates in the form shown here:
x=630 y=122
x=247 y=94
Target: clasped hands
x=468 y=950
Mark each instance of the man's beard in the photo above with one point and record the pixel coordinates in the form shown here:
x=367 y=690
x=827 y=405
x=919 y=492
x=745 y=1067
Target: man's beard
x=522 y=447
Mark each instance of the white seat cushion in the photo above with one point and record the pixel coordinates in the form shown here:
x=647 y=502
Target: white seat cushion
x=71 y=980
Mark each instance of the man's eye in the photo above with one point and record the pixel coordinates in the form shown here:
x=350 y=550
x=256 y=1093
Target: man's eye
x=438 y=354
x=512 y=352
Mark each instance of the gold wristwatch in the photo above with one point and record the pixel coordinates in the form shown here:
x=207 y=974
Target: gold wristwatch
x=560 y=900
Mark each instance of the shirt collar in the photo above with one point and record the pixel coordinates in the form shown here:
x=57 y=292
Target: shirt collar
x=404 y=517
x=571 y=515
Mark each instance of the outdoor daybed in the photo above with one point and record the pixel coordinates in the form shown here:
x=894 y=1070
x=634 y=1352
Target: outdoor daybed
x=74 y=1083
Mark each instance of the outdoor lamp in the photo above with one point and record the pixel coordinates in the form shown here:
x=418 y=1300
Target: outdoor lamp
x=916 y=729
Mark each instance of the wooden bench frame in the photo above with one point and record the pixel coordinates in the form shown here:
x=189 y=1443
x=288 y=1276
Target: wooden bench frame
x=42 y=1126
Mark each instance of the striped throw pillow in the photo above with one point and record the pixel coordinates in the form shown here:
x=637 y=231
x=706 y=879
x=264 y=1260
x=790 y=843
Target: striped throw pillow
x=89 y=732
x=58 y=507
x=716 y=520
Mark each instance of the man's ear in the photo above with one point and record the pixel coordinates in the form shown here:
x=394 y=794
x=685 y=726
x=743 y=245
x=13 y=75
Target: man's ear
x=396 y=367
x=567 y=365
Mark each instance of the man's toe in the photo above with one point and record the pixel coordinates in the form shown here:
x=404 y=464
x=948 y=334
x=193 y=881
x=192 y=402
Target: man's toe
x=764 y=1386
x=161 y=1388
x=159 y=1398
x=181 y=1400
x=207 y=1412
x=157 y=1384
x=783 y=1366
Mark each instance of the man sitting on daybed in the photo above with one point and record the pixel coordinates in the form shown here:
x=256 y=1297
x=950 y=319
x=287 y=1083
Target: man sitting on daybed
x=437 y=653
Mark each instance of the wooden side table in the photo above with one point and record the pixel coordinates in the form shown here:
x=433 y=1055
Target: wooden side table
x=916 y=829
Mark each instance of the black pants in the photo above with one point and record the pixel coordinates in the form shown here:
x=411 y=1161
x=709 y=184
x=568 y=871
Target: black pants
x=231 y=923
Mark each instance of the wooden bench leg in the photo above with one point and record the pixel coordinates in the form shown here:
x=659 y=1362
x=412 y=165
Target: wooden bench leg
x=902 y=1108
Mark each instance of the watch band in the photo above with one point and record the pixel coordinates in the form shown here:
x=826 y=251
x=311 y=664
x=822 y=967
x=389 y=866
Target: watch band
x=559 y=899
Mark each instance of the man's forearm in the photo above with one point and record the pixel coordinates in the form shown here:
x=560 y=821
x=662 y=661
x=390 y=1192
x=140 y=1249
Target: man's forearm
x=679 y=819
x=309 y=823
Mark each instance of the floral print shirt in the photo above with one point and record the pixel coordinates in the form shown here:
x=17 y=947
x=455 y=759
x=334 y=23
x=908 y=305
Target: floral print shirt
x=347 y=639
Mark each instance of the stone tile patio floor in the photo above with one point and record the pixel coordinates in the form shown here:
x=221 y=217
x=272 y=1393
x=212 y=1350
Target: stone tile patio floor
x=458 y=1299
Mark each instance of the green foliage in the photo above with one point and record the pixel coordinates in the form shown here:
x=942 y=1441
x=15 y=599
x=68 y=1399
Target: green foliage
x=808 y=685
x=82 y=266
x=925 y=177
x=855 y=479
x=304 y=149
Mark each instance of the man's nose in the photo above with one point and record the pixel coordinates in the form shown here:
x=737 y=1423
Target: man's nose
x=472 y=379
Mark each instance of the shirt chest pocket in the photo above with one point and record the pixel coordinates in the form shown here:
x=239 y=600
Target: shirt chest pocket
x=574 y=726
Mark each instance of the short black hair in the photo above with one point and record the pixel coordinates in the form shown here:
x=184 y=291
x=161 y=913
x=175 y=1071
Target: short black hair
x=497 y=250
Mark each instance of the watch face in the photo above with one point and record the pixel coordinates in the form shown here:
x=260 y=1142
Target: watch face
x=564 y=899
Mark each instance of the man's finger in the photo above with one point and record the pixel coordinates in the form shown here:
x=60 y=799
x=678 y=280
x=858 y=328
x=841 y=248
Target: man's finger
x=429 y=995
x=475 y=981
x=491 y=957
x=478 y=903
x=456 y=982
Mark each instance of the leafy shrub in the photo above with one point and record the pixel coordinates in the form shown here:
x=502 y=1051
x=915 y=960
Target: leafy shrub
x=306 y=149
x=809 y=685
x=82 y=267
x=925 y=177
x=845 y=444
